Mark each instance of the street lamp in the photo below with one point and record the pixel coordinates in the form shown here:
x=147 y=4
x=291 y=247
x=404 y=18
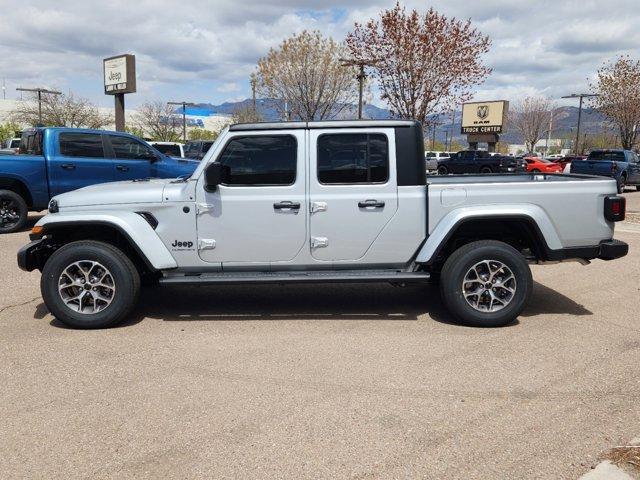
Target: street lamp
x=581 y=96
x=40 y=91
x=184 y=116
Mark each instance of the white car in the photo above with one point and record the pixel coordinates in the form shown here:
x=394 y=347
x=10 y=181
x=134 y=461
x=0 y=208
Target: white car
x=173 y=149
x=431 y=160
x=10 y=146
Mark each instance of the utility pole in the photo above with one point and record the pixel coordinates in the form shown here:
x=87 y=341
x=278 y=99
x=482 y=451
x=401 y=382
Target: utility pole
x=581 y=96
x=453 y=121
x=253 y=81
x=546 y=148
x=361 y=77
x=184 y=116
x=40 y=91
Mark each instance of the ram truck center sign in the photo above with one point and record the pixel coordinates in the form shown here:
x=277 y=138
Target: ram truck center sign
x=119 y=74
x=484 y=117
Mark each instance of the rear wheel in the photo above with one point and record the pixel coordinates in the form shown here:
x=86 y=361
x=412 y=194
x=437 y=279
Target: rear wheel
x=442 y=170
x=535 y=170
x=622 y=183
x=486 y=170
x=13 y=211
x=90 y=284
x=486 y=283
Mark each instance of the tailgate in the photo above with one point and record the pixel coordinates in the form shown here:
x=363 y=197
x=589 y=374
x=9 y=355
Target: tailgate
x=592 y=167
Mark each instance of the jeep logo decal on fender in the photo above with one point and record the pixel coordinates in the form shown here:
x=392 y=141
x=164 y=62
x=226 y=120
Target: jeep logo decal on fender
x=178 y=244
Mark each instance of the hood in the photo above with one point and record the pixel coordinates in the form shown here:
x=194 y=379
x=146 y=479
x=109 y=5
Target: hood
x=115 y=193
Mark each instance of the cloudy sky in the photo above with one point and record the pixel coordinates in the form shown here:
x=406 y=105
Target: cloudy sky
x=203 y=51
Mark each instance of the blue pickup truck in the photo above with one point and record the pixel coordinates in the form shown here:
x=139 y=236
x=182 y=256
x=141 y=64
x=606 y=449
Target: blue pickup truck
x=56 y=160
x=623 y=165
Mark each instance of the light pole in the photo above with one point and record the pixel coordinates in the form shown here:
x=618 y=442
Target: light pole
x=361 y=77
x=184 y=116
x=40 y=91
x=581 y=96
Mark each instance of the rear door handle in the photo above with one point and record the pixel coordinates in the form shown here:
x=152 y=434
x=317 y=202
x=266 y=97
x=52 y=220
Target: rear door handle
x=122 y=168
x=286 y=206
x=371 y=204
x=68 y=166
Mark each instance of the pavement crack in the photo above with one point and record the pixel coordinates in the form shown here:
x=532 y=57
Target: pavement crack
x=26 y=302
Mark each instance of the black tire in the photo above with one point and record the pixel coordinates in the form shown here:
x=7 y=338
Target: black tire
x=638 y=187
x=535 y=170
x=13 y=212
x=622 y=183
x=486 y=169
x=442 y=170
x=461 y=262
x=126 y=283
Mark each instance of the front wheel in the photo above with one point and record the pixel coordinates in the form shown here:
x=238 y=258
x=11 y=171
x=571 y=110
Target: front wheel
x=486 y=283
x=486 y=170
x=90 y=284
x=13 y=211
x=442 y=170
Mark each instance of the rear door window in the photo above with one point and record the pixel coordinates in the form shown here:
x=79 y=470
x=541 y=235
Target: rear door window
x=353 y=158
x=130 y=148
x=74 y=144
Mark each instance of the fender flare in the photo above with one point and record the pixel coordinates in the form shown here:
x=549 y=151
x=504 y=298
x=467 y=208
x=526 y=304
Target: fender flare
x=447 y=226
x=134 y=227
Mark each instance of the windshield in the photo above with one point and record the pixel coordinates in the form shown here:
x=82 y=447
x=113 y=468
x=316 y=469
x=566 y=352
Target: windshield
x=173 y=150
x=607 y=156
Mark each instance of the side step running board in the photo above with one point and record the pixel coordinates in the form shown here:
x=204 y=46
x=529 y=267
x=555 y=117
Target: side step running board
x=326 y=276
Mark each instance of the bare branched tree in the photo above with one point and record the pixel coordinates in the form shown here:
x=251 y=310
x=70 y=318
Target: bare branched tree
x=530 y=118
x=305 y=73
x=158 y=121
x=618 y=86
x=246 y=114
x=423 y=64
x=61 y=111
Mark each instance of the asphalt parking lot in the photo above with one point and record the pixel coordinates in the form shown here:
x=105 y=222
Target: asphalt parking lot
x=354 y=381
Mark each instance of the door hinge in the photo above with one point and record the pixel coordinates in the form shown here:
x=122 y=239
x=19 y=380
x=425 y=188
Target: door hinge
x=206 y=244
x=318 y=207
x=203 y=208
x=319 y=242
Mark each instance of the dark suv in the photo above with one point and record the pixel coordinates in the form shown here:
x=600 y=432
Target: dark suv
x=197 y=148
x=480 y=161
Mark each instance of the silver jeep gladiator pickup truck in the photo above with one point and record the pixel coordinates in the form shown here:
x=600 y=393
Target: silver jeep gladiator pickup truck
x=343 y=201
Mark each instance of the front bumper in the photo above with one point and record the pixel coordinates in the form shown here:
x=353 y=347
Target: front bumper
x=33 y=255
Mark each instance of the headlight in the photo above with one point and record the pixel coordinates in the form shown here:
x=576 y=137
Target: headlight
x=53 y=206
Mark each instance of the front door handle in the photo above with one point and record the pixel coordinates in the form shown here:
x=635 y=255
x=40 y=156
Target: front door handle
x=371 y=204
x=286 y=206
x=68 y=166
x=122 y=168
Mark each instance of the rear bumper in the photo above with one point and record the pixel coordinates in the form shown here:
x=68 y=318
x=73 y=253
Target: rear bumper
x=606 y=250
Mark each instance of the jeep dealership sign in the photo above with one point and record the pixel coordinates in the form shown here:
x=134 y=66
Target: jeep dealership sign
x=484 y=117
x=119 y=74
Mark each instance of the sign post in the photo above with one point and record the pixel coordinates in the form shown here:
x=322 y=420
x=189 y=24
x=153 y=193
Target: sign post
x=484 y=122
x=119 y=78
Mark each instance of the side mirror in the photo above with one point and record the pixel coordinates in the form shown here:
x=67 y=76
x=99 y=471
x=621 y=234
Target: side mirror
x=213 y=176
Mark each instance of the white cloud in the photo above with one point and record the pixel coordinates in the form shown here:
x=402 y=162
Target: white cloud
x=204 y=50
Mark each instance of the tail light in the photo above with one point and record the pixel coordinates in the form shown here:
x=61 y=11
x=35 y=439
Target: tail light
x=614 y=208
x=614 y=167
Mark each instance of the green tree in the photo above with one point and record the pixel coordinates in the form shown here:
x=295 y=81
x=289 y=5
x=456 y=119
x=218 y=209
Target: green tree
x=202 y=134
x=8 y=130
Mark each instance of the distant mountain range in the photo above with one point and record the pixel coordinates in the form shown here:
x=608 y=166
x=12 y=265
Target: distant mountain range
x=565 y=119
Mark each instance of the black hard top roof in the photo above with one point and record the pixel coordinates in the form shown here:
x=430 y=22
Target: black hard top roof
x=323 y=124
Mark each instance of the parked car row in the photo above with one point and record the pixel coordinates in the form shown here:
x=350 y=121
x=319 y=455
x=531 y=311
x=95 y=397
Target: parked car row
x=480 y=161
x=52 y=161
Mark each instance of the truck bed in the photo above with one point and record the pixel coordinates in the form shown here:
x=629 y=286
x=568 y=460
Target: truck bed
x=555 y=201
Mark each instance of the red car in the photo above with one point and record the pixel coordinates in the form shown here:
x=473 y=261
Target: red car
x=540 y=165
